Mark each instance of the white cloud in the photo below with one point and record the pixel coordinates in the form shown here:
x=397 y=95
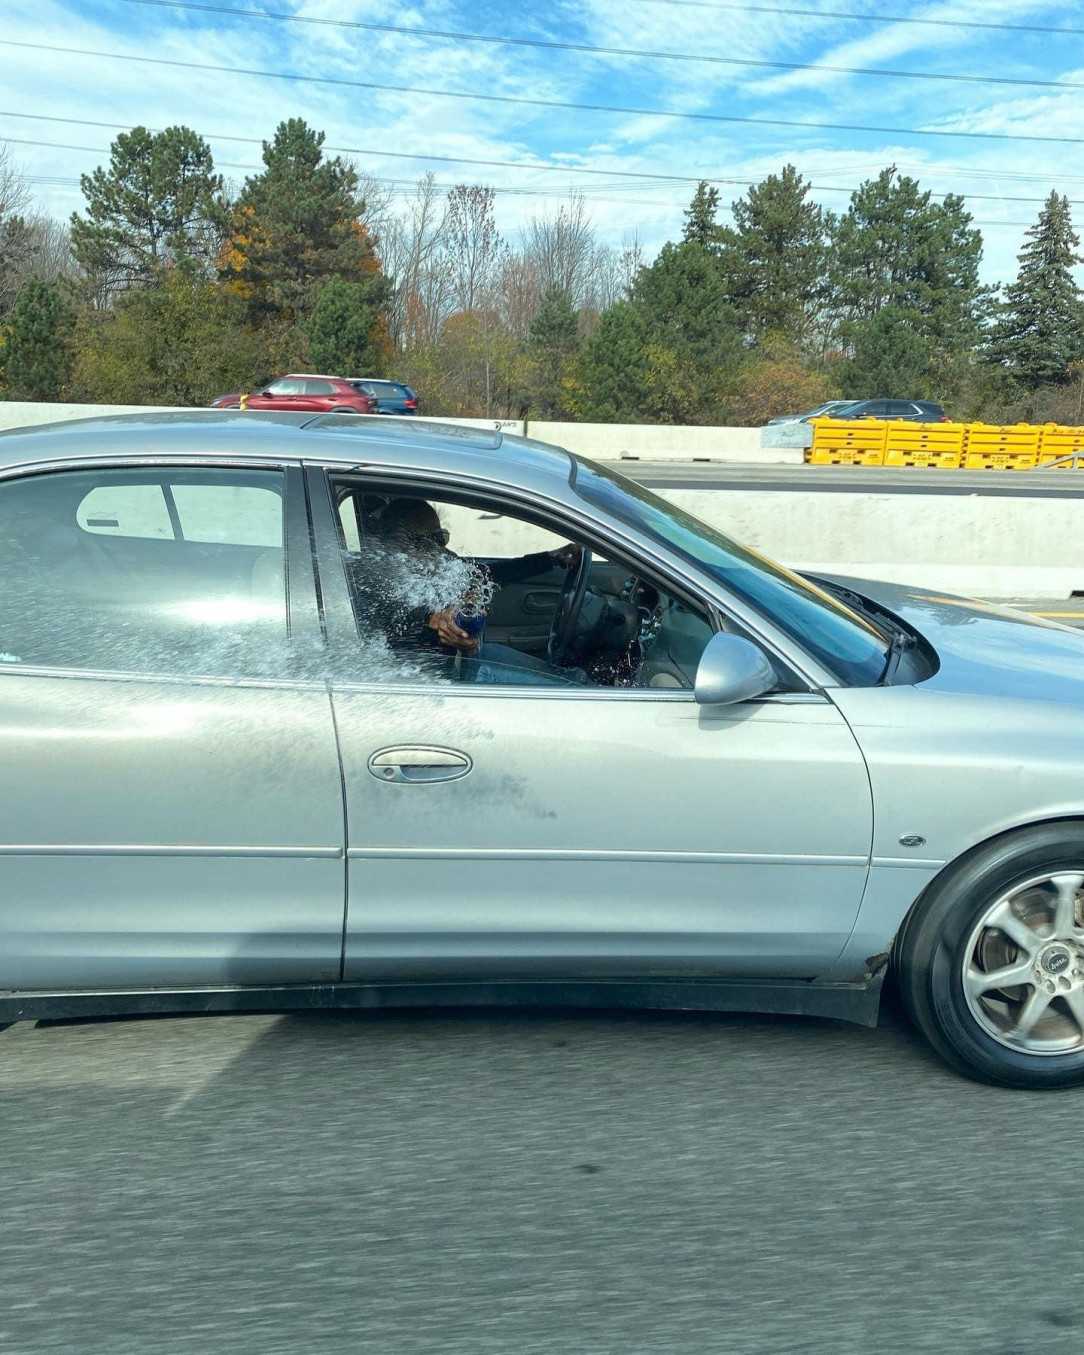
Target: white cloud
x=223 y=106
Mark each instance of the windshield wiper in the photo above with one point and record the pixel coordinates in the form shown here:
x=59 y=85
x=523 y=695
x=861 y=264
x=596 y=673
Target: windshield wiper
x=902 y=642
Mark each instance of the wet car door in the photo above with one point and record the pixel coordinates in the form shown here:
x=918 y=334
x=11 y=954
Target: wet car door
x=173 y=809
x=501 y=831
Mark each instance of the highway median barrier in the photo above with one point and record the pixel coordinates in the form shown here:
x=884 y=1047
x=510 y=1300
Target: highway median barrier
x=941 y=446
x=848 y=442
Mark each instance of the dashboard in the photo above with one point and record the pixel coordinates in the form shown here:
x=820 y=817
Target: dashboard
x=671 y=635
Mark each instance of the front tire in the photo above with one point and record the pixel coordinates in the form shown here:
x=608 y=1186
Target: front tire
x=991 y=961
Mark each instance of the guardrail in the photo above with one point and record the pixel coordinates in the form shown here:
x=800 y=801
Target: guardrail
x=942 y=446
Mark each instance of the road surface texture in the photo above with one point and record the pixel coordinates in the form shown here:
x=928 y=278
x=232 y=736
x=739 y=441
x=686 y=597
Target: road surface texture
x=501 y=1183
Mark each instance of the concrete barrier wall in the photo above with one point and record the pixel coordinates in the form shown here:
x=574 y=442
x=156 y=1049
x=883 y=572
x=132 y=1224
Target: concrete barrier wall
x=23 y=414
x=649 y=442
x=979 y=545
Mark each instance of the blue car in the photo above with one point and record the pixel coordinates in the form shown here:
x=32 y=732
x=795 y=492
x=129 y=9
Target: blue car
x=391 y=397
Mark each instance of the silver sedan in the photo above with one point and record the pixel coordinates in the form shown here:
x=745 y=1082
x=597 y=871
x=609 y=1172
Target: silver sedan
x=337 y=712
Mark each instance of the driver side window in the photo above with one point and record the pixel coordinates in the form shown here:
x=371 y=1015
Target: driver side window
x=449 y=591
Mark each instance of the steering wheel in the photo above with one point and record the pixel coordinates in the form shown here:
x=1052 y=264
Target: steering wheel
x=565 y=618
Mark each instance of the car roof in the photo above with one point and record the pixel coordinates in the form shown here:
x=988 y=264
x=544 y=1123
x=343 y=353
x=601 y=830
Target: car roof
x=265 y=435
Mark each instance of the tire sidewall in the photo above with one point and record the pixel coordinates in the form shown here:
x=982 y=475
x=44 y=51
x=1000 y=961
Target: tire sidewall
x=933 y=945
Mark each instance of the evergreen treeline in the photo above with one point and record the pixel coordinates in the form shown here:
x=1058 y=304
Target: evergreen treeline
x=171 y=288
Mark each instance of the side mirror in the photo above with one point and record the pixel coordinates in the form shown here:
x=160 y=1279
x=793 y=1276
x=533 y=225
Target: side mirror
x=732 y=669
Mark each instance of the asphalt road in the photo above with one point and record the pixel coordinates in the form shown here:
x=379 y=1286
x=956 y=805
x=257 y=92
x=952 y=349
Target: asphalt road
x=506 y=1183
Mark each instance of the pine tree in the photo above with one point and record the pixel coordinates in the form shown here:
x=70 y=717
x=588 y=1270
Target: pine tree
x=552 y=345
x=667 y=353
x=159 y=203
x=701 y=226
x=896 y=247
x=296 y=225
x=774 y=260
x=612 y=372
x=1040 y=324
x=691 y=329
x=345 y=329
x=35 y=356
x=890 y=359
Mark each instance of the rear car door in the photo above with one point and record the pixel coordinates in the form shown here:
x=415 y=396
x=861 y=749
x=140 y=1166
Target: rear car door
x=318 y=396
x=173 y=811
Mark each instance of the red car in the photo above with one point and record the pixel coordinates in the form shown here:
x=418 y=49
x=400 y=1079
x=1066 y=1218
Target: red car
x=304 y=393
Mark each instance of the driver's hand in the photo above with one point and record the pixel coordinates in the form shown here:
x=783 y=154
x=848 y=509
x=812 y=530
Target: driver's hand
x=451 y=634
x=568 y=557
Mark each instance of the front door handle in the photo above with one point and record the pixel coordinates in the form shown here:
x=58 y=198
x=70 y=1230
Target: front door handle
x=419 y=765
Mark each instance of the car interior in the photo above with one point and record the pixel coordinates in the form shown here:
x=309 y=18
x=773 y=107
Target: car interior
x=598 y=622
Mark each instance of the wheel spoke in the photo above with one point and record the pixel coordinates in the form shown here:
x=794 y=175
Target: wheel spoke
x=1067 y=887
x=1010 y=976
x=1075 y=1002
x=1030 y=1013
x=1015 y=928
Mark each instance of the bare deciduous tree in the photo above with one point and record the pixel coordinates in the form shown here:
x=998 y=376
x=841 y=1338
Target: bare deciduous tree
x=31 y=244
x=474 y=244
x=476 y=255
x=412 y=251
x=563 y=250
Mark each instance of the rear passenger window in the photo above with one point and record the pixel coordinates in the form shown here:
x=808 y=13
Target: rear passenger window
x=319 y=388
x=93 y=577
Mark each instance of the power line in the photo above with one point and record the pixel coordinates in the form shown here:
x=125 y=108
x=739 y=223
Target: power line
x=532 y=165
x=591 y=49
x=59 y=181
x=522 y=100
x=515 y=189
x=401 y=155
x=867 y=18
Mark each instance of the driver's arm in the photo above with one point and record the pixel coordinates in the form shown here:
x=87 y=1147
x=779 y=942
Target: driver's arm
x=516 y=570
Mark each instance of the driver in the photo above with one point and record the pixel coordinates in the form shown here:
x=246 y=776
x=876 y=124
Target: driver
x=413 y=525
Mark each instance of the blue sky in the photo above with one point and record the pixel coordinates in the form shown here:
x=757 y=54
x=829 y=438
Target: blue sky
x=993 y=174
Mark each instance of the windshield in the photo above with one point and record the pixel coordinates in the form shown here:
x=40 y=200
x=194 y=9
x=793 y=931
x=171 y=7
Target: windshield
x=843 y=641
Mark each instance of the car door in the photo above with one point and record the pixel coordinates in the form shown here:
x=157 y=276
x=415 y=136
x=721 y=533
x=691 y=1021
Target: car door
x=173 y=812
x=319 y=396
x=282 y=394
x=502 y=831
